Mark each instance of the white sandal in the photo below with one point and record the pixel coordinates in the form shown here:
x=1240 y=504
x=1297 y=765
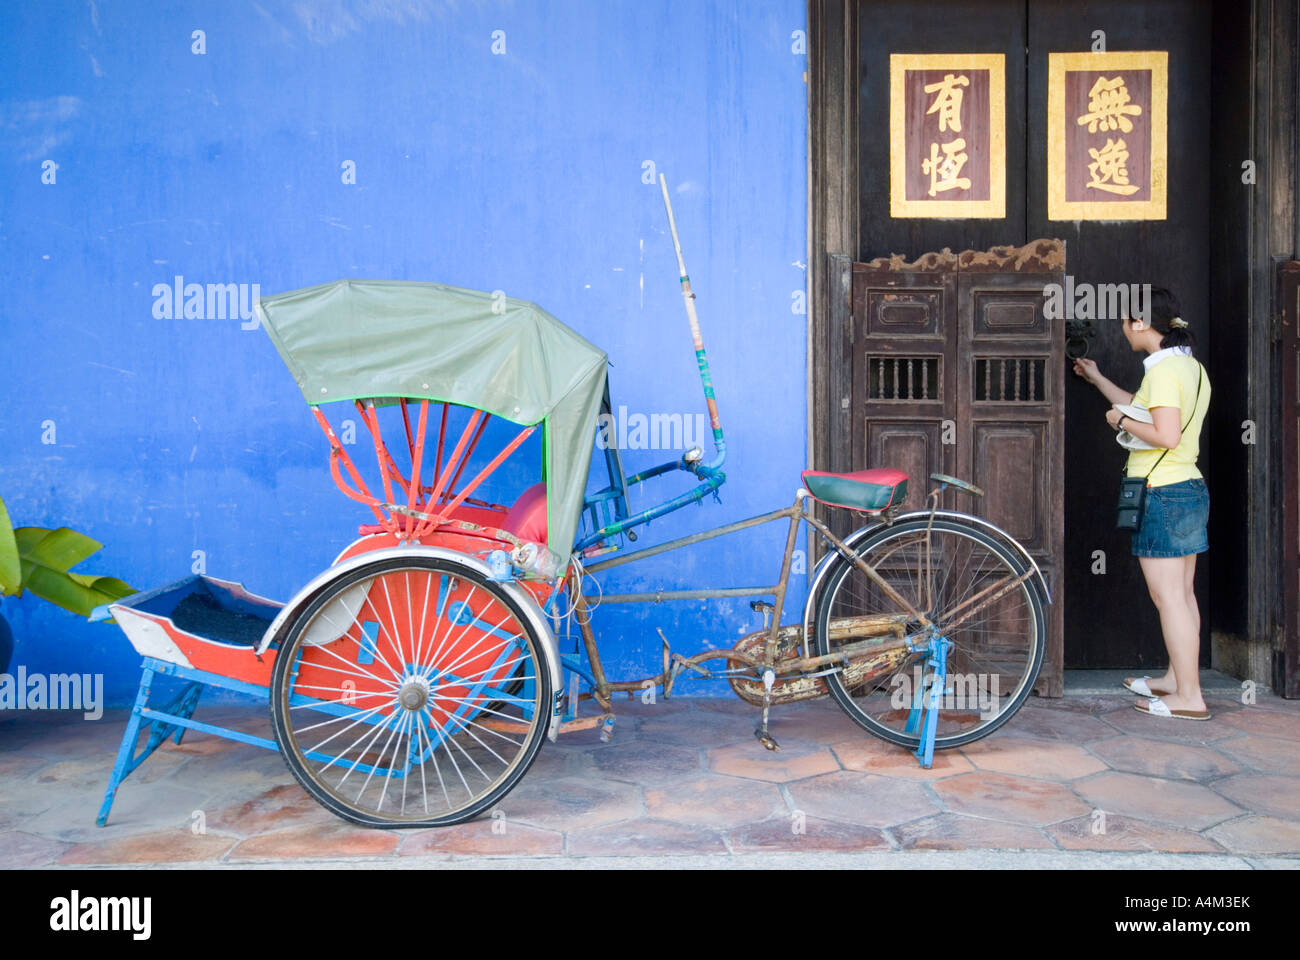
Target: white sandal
x=1158 y=708
x=1139 y=686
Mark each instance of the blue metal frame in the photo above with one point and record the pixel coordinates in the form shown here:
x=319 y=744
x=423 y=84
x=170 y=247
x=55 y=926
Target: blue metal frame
x=925 y=716
x=172 y=720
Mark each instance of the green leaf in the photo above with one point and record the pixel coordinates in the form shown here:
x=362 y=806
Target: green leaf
x=60 y=549
x=11 y=574
x=110 y=588
x=45 y=557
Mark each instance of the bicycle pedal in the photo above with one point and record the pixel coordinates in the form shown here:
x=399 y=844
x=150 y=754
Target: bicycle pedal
x=766 y=740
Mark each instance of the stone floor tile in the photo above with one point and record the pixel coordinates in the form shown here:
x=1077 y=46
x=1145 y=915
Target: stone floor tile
x=138 y=808
x=553 y=762
x=873 y=755
x=1031 y=757
x=274 y=809
x=1258 y=835
x=644 y=837
x=1270 y=795
x=571 y=802
x=1127 y=833
x=180 y=845
x=816 y=721
x=1174 y=802
x=338 y=839
x=714 y=801
x=862 y=798
x=997 y=796
x=731 y=705
x=1160 y=758
x=16 y=765
x=1277 y=705
x=28 y=850
x=1266 y=723
x=948 y=831
x=702 y=729
x=482 y=837
x=1048 y=723
x=643 y=761
x=1266 y=754
x=633 y=707
x=805 y=835
x=794 y=761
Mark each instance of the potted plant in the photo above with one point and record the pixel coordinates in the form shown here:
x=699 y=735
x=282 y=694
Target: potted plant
x=41 y=560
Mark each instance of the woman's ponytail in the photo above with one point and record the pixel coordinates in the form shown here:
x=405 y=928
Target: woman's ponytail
x=1166 y=319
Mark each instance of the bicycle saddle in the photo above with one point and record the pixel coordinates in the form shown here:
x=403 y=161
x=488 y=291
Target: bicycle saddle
x=870 y=490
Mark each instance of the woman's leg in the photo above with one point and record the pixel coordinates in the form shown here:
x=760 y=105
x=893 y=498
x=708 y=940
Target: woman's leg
x=1169 y=580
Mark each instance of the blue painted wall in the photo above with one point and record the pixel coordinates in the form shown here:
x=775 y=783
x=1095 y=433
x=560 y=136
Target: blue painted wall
x=519 y=170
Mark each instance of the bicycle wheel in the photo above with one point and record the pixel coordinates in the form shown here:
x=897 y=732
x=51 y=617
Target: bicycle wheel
x=411 y=692
x=957 y=574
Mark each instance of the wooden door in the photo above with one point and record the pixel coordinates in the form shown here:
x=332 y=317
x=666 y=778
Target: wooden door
x=956 y=370
x=1113 y=622
x=1289 y=297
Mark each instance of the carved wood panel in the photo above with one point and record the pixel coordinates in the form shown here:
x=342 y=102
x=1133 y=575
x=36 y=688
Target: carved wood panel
x=956 y=370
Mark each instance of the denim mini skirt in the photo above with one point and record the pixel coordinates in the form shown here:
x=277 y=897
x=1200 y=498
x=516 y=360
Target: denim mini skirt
x=1174 y=522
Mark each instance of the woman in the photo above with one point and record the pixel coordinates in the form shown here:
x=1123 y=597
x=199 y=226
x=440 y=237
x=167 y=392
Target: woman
x=1176 y=391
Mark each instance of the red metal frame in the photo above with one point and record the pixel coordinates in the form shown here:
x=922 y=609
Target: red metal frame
x=425 y=513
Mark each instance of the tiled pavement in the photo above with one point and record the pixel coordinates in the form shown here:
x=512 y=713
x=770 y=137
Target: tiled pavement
x=686 y=778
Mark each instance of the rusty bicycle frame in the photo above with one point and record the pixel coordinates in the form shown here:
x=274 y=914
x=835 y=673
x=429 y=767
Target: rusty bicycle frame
x=863 y=660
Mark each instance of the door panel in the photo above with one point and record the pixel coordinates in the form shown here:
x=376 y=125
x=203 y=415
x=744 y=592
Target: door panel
x=913 y=447
x=1113 y=621
x=957 y=371
x=1289 y=297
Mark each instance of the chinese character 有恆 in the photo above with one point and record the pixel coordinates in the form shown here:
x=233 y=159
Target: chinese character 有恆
x=943 y=171
x=948 y=101
x=1109 y=107
x=1109 y=168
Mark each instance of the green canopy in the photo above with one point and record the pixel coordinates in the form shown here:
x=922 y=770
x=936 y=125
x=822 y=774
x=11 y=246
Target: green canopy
x=358 y=339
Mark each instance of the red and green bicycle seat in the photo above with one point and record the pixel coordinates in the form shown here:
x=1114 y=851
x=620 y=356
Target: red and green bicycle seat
x=870 y=490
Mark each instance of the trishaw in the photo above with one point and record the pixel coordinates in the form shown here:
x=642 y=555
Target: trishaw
x=413 y=682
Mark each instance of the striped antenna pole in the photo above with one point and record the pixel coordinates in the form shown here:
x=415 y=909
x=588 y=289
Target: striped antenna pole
x=689 y=298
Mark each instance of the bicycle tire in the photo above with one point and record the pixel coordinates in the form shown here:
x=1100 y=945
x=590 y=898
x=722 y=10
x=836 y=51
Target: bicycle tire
x=1009 y=559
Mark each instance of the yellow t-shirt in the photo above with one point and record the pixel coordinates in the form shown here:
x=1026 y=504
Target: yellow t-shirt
x=1172 y=382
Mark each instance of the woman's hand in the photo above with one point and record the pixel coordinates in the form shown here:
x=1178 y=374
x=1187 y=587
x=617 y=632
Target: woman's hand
x=1087 y=369
x=1113 y=417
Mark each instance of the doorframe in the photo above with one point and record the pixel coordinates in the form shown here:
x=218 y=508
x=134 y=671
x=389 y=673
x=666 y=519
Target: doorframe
x=832 y=219
x=1274 y=235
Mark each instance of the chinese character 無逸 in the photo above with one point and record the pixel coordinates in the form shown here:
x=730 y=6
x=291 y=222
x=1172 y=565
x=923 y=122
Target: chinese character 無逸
x=948 y=101
x=943 y=171
x=1109 y=168
x=1109 y=107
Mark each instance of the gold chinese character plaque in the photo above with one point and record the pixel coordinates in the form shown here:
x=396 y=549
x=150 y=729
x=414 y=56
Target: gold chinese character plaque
x=947 y=135
x=1107 y=154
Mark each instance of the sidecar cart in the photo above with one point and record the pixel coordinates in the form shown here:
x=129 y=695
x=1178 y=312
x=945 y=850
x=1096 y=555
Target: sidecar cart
x=412 y=682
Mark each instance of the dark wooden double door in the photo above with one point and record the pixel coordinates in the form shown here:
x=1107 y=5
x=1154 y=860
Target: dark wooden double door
x=1111 y=620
